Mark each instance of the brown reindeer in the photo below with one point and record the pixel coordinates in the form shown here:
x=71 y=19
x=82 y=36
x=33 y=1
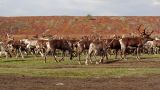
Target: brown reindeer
x=97 y=47
x=113 y=44
x=41 y=46
x=73 y=45
x=82 y=46
x=60 y=44
x=101 y=47
x=135 y=42
x=16 y=45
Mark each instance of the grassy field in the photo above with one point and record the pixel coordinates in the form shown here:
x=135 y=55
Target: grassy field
x=36 y=67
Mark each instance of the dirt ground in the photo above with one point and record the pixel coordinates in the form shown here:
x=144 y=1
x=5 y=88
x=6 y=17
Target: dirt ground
x=149 y=82
x=44 y=83
x=144 y=63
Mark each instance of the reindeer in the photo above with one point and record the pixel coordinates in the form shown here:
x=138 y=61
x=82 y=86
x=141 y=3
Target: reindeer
x=31 y=45
x=101 y=47
x=135 y=42
x=3 y=50
x=82 y=46
x=156 y=46
x=148 y=47
x=97 y=47
x=62 y=45
x=113 y=44
x=42 y=46
x=16 y=45
x=152 y=47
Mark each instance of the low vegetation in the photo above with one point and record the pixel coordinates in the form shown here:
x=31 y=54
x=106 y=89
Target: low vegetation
x=35 y=66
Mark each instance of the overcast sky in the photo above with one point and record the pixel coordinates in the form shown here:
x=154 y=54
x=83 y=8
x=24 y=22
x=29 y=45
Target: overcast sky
x=80 y=7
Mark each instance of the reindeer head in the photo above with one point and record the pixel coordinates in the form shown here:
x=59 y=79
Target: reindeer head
x=9 y=37
x=144 y=34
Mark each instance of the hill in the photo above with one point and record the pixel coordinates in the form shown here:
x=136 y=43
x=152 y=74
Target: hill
x=75 y=26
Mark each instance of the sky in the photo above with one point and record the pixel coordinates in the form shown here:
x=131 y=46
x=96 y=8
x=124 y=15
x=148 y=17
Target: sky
x=79 y=7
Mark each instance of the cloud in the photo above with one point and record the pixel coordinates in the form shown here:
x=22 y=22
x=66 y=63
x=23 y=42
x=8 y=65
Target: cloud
x=156 y=2
x=79 y=7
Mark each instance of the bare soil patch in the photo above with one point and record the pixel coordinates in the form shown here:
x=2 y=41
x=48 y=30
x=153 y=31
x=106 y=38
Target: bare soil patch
x=47 y=83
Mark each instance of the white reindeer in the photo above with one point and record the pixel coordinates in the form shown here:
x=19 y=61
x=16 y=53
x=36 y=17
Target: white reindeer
x=3 y=50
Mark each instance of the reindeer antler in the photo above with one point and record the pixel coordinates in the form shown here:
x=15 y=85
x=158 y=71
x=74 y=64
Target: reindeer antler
x=8 y=35
x=150 y=32
x=144 y=31
x=139 y=28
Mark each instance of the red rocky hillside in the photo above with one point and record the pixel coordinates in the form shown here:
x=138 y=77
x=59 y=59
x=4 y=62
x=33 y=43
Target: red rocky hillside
x=75 y=26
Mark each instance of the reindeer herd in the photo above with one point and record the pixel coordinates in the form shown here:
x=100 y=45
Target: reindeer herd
x=75 y=48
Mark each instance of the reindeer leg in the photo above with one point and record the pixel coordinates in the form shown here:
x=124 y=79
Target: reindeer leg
x=17 y=53
x=90 y=52
x=21 y=53
x=9 y=54
x=123 y=49
x=63 y=54
x=102 y=58
x=125 y=56
x=88 y=57
x=109 y=53
x=41 y=53
x=45 y=55
x=106 y=54
x=0 y=54
x=95 y=52
x=157 y=50
x=137 y=54
x=79 y=60
x=116 y=54
x=6 y=54
x=121 y=54
x=124 y=53
x=32 y=52
x=79 y=52
x=138 y=57
x=86 y=62
x=35 y=53
x=53 y=54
